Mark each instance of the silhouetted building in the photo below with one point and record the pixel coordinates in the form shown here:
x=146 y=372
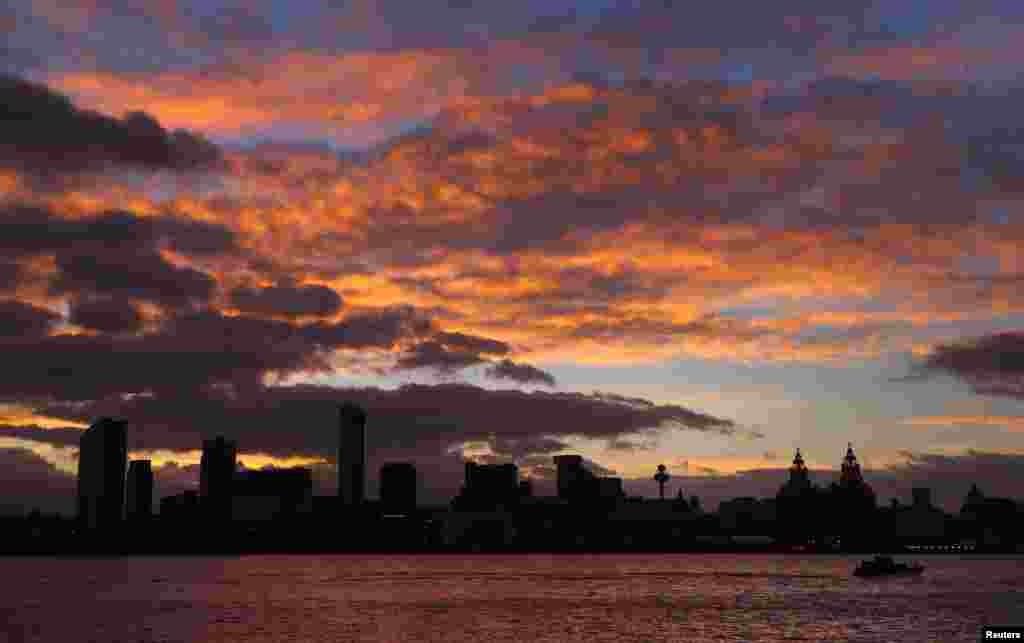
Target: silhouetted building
x=398 y=482
x=748 y=516
x=216 y=475
x=609 y=488
x=798 y=504
x=490 y=485
x=140 y=490
x=268 y=494
x=352 y=455
x=799 y=482
x=851 y=504
x=571 y=475
x=922 y=497
x=102 y=457
x=180 y=508
x=917 y=524
x=526 y=488
x=991 y=522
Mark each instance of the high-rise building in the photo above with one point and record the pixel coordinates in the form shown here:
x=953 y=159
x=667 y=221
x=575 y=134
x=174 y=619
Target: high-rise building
x=268 y=494
x=140 y=490
x=398 y=482
x=216 y=476
x=351 y=454
x=574 y=480
x=922 y=497
x=489 y=485
x=102 y=457
x=570 y=472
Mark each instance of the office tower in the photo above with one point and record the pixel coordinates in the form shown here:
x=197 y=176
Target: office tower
x=140 y=490
x=216 y=475
x=570 y=474
x=268 y=494
x=180 y=508
x=922 y=497
x=489 y=485
x=351 y=454
x=398 y=487
x=102 y=457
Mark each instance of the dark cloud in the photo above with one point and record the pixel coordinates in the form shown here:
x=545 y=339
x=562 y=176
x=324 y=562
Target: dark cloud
x=287 y=300
x=522 y=373
x=20 y=319
x=118 y=253
x=110 y=315
x=521 y=448
x=991 y=364
x=132 y=273
x=191 y=350
x=434 y=355
x=472 y=343
x=27 y=230
x=44 y=133
x=10 y=271
x=372 y=329
x=302 y=419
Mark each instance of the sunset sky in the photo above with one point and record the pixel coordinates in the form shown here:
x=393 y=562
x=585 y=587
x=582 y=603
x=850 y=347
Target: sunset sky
x=657 y=232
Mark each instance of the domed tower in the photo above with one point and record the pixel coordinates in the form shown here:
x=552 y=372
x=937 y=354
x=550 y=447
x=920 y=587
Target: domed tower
x=851 y=475
x=799 y=477
x=797 y=505
x=852 y=496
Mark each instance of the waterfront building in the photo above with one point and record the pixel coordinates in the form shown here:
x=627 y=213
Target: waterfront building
x=103 y=455
x=351 y=461
x=140 y=490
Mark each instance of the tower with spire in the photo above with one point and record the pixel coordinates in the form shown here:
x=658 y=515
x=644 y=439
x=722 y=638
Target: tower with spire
x=850 y=475
x=797 y=504
x=852 y=504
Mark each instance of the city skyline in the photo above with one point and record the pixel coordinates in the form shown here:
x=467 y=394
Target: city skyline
x=512 y=232
x=223 y=480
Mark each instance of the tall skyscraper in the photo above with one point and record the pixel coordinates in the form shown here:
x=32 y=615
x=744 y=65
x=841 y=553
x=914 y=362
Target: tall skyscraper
x=398 y=482
x=570 y=474
x=490 y=485
x=216 y=476
x=102 y=456
x=140 y=490
x=351 y=454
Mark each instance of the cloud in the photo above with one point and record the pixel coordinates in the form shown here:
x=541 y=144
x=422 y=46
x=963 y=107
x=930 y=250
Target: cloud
x=44 y=133
x=287 y=300
x=432 y=354
x=10 y=272
x=18 y=319
x=472 y=343
x=132 y=273
x=33 y=230
x=522 y=373
x=991 y=364
x=191 y=350
x=110 y=315
x=436 y=416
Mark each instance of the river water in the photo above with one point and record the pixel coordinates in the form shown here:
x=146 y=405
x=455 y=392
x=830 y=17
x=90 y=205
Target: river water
x=490 y=598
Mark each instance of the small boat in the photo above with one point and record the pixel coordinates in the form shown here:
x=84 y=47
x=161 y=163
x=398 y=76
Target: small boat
x=886 y=566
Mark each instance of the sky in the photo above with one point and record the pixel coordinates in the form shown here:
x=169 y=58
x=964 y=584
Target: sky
x=644 y=232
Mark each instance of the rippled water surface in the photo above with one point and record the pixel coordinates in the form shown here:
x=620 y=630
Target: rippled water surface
x=501 y=598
